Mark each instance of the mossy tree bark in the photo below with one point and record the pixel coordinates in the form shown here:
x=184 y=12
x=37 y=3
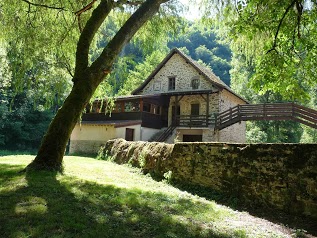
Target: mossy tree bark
x=87 y=78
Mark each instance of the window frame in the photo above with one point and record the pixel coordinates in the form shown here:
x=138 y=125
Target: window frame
x=195 y=83
x=171 y=83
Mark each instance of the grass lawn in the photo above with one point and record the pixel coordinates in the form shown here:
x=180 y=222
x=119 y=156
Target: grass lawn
x=101 y=199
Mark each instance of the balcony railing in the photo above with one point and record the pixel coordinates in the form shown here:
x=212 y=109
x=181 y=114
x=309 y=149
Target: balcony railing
x=194 y=121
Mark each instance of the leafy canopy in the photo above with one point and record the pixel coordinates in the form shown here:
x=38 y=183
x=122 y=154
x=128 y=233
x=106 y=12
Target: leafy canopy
x=40 y=38
x=278 y=37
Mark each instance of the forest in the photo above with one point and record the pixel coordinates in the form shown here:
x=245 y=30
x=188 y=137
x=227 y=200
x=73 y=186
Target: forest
x=32 y=90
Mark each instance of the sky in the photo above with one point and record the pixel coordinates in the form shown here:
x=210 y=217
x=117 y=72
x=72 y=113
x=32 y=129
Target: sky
x=193 y=10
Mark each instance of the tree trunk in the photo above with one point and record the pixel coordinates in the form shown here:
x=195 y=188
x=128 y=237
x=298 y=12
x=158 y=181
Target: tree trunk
x=87 y=79
x=52 y=149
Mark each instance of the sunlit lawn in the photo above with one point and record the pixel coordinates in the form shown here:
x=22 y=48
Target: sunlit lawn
x=101 y=199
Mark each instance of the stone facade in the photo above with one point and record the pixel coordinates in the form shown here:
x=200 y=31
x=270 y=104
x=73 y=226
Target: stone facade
x=236 y=132
x=282 y=176
x=186 y=101
x=219 y=101
x=191 y=84
x=183 y=72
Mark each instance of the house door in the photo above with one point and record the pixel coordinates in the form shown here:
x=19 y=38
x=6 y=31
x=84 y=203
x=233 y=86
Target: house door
x=194 y=110
x=194 y=115
x=175 y=117
x=164 y=116
x=129 y=134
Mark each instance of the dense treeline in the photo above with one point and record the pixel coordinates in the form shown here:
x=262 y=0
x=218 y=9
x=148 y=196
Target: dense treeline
x=22 y=125
x=28 y=101
x=269 y=131
x=203 y=45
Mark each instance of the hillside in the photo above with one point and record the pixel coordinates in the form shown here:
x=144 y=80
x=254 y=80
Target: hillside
x=96 y=198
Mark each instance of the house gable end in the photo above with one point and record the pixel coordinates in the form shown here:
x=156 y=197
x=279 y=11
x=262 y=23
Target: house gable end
x=176 y=73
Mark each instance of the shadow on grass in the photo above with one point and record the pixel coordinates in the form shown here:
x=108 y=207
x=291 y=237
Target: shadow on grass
x=40 y=205
x=295 y=222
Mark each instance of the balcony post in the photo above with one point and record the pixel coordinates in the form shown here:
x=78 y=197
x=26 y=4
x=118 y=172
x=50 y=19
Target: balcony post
x=175 y=111
x=207 y=109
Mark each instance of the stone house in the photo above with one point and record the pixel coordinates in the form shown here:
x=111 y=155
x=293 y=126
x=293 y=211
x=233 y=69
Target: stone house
x=179 y=101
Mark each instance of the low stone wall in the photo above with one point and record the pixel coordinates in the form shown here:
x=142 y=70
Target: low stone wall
x=85 y=146
x=283 y=176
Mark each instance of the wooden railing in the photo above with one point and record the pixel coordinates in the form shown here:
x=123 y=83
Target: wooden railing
x=167 y=133
x=194 y=121
x=273 y=111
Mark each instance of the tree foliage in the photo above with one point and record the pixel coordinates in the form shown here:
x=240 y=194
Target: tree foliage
x=22 y=126
x=141 y=71
x=274 y=49
x=48 y=31
x=279 y=37
x=202 y=43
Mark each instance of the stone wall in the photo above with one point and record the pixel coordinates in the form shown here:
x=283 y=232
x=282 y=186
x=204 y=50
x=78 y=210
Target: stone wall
x=89 y=147
x=283 y=176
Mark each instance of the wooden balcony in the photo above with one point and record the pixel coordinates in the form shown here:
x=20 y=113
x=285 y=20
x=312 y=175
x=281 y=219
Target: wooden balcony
x=194 y=121
x=149 y=120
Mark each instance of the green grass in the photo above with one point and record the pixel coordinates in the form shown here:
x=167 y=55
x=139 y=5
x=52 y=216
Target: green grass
x=96 y=198
x=18 y=152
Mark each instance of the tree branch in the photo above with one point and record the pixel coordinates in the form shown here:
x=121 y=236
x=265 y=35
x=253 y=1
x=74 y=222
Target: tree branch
x=79 y=12
x=127 y=2
x=85 y=8
x=97 y=18
x=43 y=5
x=280 y=24
x=299 y=8
x=104 y=62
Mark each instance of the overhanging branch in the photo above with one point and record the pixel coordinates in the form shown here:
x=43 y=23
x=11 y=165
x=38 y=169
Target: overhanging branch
x=280 y=25
x=102 y=65
x=85 y=8
x=127 y=2
x=299 y=8
x=79 y=12
x=97 y=18
x=43 y=5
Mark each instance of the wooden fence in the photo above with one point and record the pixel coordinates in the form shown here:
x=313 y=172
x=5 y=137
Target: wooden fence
x=273 y=111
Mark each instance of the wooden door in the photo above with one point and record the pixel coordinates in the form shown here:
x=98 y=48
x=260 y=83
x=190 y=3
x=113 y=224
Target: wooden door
x=129 y=134
x=194 y=109
x=175 y=115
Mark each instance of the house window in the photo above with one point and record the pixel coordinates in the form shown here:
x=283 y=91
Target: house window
x=117 y=107
x=155 y=109
x=151 y=108
x=146 y=107
x=132 y=106
x=95 y=108
x=195 y=83
x=171 y=83
x=192 y=138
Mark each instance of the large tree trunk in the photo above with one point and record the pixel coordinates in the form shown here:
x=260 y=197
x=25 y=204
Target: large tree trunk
x=51 y=152
x=86 y=80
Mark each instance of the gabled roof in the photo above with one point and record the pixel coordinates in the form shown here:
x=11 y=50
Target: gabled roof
x=209 y=75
